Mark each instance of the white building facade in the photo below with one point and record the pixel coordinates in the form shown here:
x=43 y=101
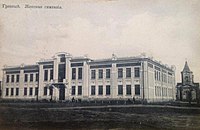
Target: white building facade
x=65 y=77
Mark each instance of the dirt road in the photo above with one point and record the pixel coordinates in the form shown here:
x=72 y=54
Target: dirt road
x=56 y=116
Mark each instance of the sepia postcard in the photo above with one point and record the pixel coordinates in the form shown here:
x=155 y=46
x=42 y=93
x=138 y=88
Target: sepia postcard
x=99 y=64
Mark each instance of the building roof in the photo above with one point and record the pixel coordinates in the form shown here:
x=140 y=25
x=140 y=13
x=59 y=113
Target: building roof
x=186 y=67
x=113 y=59
x=128 y=60
x=80 y=59
x=24 y=67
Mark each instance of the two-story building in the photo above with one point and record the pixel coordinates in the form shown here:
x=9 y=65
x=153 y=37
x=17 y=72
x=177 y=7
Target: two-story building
x=64 y=77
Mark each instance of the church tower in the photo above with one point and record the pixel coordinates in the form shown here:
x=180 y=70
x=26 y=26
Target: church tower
x=187 y=75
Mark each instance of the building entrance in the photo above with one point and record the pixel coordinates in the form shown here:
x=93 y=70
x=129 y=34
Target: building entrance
x=62 y=92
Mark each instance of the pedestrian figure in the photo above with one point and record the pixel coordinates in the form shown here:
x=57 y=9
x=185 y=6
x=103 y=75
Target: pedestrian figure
x=133 y=100
x=73 y=99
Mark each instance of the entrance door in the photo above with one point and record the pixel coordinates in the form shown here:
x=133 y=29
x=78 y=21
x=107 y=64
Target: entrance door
x=62 y=92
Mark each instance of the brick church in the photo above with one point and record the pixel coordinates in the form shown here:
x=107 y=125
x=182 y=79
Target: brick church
x=187 y=90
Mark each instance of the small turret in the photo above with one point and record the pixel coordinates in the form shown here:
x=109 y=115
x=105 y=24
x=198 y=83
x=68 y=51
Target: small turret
x=187 y=75
x=186 y=68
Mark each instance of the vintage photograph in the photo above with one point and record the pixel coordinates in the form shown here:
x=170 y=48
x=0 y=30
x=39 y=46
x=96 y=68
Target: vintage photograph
x=99 y=64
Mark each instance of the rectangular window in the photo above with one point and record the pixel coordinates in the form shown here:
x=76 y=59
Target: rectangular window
x=128 y=89
x=73 y=73
x=107 y=73
x=100 y=90
x=80 y=73
x=128 y=72
x=7 y=91
x=159 y=91
x=45 y=75
x=73 y=90
x=51 y=74
x=17 y=80
x=157 y=75
x=155 y=91
x=107 y=89
x=137 y=72
x=61 y=72
x=25 y=91
x=93 y=74
x=12 y=78
x=30 y=91
x=120 y=73
x=100 y=73
x=7 y=78
x=137 y=89
x=31 y=77
x=26 y=78
x=120 y=89
x=17 y=92
x=12 y=92
x=37 y=77
x=45 y=90
x=79 y=90
x=36 y=91
x=92 y=90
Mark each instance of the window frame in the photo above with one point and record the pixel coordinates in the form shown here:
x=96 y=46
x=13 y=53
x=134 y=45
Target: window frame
x=100 y=73
x=12 y=92
x=17 y=78
x=120 y=89
x=100 y=90
x=51 y=74
x=80 y=73
x=128 y=72
x=128 y=90
x=93 y=74
x=7 y=78
x=31 y=77
x=36 y=77
x=73 y=92
x=120 y=73
x=46 y=75
x=73 y=73
x=137 y=72
x=12 y=78
x=80 y=91
x=137 y=90
x=25 y=77
x=30 y=91
x=36 y=91
x=107 y=73
x=17 y=92
x=93 y=90
x=7 y=92
x=25 y=91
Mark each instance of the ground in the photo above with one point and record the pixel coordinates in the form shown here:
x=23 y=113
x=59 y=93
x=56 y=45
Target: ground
x=61 y=116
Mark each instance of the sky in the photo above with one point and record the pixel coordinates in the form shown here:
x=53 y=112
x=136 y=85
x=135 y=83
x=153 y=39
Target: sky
x=168 y=31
